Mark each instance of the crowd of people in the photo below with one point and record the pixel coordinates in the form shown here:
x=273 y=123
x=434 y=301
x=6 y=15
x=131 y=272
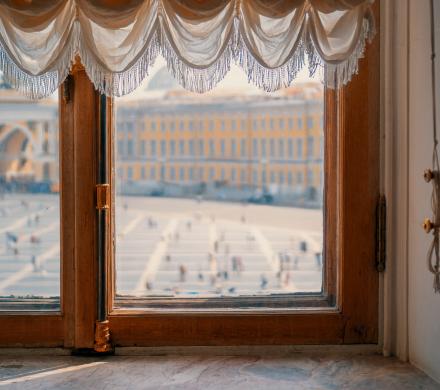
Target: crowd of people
x=13 y=239
x=225 y=268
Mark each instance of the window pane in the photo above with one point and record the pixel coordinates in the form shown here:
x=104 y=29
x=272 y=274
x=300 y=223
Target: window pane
x=29 y=199
x=239 y=217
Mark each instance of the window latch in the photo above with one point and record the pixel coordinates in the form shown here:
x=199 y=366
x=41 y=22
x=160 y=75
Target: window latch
x=381 y=231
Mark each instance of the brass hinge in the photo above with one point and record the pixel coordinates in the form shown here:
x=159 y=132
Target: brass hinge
x=381 y=233
x=102 y=196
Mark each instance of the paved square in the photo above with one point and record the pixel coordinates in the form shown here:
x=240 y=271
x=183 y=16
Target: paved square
x=170 y=247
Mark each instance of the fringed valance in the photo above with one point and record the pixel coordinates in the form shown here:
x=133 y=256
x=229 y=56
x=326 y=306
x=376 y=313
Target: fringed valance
x=118 y=40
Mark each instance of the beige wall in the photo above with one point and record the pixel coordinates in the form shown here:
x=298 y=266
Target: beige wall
x=411 y=308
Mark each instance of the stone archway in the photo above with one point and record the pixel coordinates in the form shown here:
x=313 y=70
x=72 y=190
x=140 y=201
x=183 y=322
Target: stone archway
x=17 y=147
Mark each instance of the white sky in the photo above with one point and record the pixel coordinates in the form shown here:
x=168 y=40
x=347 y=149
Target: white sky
x=236 y=78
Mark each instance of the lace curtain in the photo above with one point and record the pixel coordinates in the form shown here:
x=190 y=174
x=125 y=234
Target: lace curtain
x=118 y=40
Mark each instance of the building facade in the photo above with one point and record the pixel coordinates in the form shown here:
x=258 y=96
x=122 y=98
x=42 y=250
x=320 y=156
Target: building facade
x=266 y=143
x=29 y=139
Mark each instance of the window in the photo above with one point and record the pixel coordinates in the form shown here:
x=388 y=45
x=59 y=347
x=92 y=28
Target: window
x=255 y=148
x=299 y=148
x=281 y=148
x=163 y=148
x=153 y=148
x=233 y=147
x=201 y=174
x=211 y=148
x=281 y=123
x=328 y=323
x=290 y=148
x=233 y=173
x=310 y=178
x=222 y=147
x=181 y=147
x=30 y=220
x=243 y=147
x=272 y=148
x=172 y=148
x=191 y=147
x=130 y=147
x=281 y=177
x=263 y=148
x=242 y=176
x=120 y=147
x=310 y=146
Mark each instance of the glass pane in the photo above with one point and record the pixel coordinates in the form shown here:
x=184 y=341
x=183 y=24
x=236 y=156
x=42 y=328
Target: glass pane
x=29 y=201
x=219 y=194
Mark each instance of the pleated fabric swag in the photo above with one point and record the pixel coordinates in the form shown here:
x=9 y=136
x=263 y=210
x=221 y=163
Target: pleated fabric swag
x=119 y=40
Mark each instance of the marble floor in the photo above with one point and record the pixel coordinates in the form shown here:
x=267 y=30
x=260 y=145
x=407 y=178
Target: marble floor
x=297 y=370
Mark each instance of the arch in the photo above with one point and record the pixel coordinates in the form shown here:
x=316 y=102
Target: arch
x=13 y=127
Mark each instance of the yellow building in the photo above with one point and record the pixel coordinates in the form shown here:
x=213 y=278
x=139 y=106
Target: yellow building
x=29 y=139
x=256 y=141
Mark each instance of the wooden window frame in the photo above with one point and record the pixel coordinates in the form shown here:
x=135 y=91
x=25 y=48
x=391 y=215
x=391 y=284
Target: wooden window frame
x=73 y=325
x=351 y=280
x=350 y=315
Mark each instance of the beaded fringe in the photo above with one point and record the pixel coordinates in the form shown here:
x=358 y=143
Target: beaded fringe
x=193 y=78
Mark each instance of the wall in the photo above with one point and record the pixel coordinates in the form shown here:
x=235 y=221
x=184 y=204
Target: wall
x=423 y=304
x=411 y=309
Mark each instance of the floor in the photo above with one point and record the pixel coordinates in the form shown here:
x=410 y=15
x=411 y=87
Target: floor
x=293 y=370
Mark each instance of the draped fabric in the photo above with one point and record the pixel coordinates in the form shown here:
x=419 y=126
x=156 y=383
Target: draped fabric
x=118 y=40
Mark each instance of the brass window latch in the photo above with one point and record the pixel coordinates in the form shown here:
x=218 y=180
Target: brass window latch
x=102 y=196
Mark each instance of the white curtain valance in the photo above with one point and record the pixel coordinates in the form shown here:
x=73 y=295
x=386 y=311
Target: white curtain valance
x=118 y=40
